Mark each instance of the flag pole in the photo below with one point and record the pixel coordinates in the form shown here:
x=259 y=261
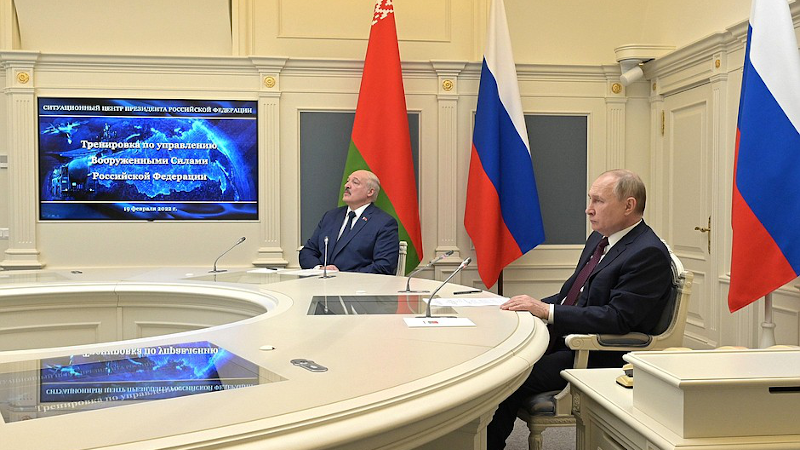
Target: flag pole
x=767 y=326
x=500 y=284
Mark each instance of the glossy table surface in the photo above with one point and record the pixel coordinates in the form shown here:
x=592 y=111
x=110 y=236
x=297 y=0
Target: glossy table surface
x=387 y=385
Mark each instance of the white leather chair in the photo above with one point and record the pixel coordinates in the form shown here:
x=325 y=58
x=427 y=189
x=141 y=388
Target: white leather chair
x=554 y=408
x=401 y=259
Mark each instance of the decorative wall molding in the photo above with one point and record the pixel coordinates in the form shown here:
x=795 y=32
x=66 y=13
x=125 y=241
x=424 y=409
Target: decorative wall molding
x=447 y=73
x=696 y=63
x=615 y=132
x=21 y=197
x=657 y=199
x=270 y=252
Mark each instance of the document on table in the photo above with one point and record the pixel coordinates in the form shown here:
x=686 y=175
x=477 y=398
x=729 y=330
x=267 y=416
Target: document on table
x=424 y=322
x=265 y=270
x=307 y=272
x=468 y=301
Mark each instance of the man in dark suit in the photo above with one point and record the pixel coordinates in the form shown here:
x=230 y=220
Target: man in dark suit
x=626 y=291
x=361 y=237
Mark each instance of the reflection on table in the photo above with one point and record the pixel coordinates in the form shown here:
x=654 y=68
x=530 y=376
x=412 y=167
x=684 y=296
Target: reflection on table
x=322 y=305
x=90 y=381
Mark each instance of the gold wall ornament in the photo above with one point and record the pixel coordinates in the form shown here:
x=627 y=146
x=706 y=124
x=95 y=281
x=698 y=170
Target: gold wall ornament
x=654 y=87
x=23 y=77
x=269 y=82
x=616 y=88
x=448 y=85
x=717 y=63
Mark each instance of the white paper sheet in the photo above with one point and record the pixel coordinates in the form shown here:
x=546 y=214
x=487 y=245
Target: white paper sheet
x=264 y=270
x=307 y=272
x=419 y=322
x=468 y=301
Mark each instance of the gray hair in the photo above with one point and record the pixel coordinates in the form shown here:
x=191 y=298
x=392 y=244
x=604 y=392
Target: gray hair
x=373 y=182
x=628 y=184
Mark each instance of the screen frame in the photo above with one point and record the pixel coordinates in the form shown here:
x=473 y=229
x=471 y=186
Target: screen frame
x=254 y=216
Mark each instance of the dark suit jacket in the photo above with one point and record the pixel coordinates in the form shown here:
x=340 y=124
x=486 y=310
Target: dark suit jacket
x=372 y=246
x=626 y=292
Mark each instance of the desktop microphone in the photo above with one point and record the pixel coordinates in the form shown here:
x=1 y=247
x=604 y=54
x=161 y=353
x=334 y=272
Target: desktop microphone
x=325 y=261
x=241 y=239
x=419 y=268
x=464 y=263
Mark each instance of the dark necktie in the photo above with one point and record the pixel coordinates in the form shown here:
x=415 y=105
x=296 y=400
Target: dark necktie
x=350 y=217
x=583 y=275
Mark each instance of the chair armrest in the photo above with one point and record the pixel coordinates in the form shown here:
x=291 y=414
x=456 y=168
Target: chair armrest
x=583 y=343
x=613 y=342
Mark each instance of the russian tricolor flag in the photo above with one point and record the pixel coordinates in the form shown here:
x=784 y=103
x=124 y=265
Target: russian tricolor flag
x=766 y=185
x=502 y=214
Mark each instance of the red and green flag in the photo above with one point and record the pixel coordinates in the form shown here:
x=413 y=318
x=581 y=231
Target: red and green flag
x=381 y=142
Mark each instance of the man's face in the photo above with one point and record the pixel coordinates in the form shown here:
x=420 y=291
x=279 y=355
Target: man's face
x=608 y=214
x=356 y=191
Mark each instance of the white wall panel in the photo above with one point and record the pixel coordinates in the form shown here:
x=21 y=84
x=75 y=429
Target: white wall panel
x=143 y=27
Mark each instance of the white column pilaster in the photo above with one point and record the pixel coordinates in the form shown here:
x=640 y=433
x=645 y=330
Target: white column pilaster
x=447 y=221
x=270 y=252
x=656 y=200
x=721 y=182
x=21 y=196
x=616 y=100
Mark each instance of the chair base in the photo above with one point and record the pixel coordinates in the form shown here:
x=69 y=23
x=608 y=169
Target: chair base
x=535 y=439
x=537 y=424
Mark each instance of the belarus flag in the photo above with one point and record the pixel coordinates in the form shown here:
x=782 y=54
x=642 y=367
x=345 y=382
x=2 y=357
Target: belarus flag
x=502 y=215
x=380 y=141
x=766 y=179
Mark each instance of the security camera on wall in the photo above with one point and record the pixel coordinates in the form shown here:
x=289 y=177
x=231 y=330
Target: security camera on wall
x=631 y=71
x=631 y=57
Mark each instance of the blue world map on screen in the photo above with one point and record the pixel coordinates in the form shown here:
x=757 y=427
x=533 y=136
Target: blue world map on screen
x=148 y=167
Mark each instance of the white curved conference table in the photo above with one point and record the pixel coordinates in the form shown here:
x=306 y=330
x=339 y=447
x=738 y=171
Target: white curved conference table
x=387 y=385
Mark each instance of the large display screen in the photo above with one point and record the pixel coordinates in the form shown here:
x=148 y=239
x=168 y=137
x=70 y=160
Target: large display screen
x=137 y=159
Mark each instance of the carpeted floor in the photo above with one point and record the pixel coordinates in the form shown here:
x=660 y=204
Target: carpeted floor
x=553 y=438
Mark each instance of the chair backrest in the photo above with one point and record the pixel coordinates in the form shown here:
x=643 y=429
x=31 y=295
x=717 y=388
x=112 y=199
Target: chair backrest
x=401 y=259
x=673 y=320
x=669 y=329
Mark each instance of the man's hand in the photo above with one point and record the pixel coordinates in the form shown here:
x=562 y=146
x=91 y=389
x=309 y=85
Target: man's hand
x=527 y=303
x=332 y=267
